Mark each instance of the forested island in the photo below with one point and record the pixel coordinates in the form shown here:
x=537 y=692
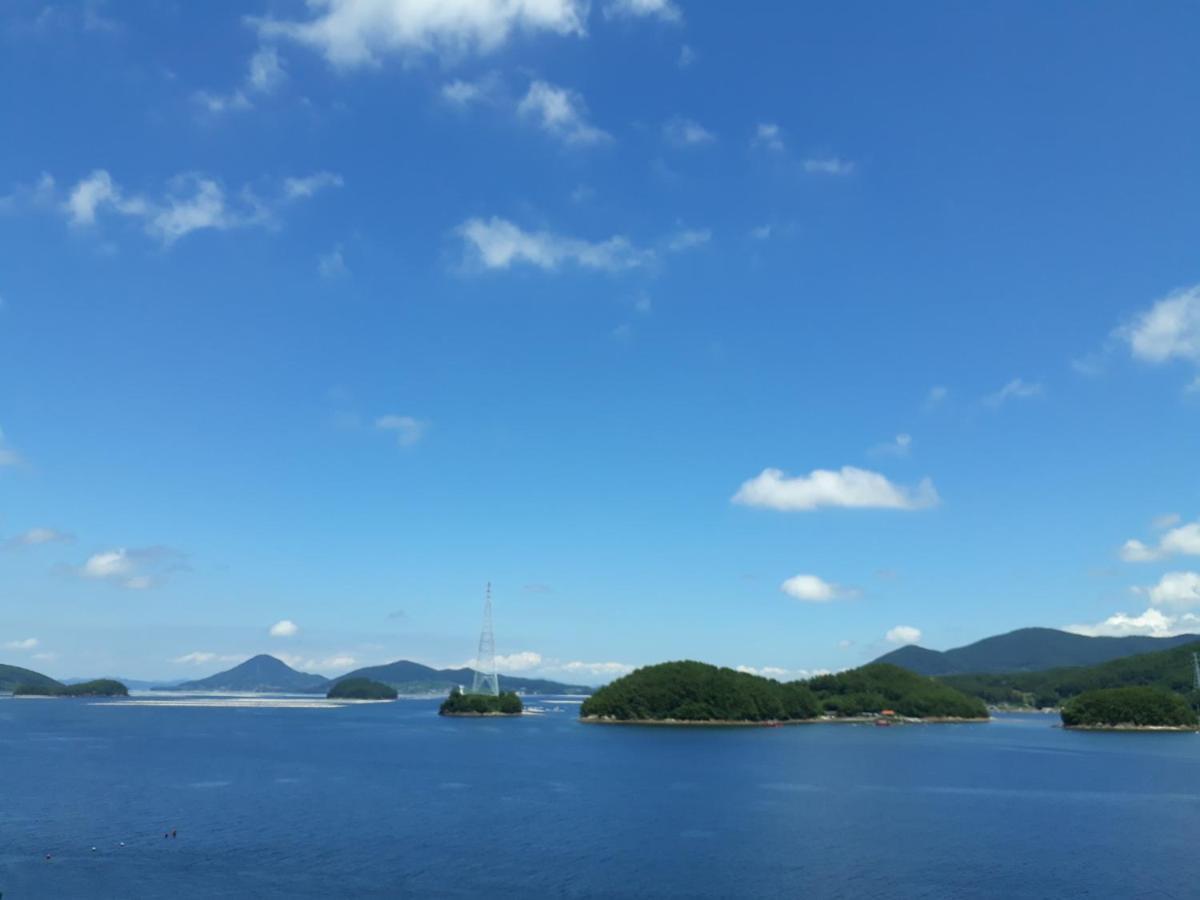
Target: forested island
x=695 y=692
x=101 y=687
x=462 y=704
x=361 y=689
x=1129 y=709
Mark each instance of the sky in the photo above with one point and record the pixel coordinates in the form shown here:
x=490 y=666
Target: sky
x=775 y=336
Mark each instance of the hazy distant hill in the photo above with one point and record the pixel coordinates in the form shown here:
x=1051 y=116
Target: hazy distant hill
x=262 y=674
x=11 y=676
x=1027 y=650
x=414 y=678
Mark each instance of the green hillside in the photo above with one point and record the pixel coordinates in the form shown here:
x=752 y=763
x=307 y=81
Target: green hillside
x=879 y=686
x=12 y=676
x=1028 y=650
x=1170 y=670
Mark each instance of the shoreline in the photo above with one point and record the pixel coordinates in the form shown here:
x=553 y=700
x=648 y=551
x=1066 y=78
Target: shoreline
x=739 y=723
x=481 y=715
x=1142 y=728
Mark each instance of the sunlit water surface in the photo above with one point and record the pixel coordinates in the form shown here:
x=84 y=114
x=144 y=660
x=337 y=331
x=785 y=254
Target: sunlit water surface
x=388 y=800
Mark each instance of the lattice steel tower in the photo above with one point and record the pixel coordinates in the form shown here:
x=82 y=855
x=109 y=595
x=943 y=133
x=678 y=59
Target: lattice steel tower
x=486 y=680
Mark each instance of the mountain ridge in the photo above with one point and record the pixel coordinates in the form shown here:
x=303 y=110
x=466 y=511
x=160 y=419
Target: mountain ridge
x=1028 y=650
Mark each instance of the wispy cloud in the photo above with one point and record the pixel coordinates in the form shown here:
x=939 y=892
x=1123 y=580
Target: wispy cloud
x=264 y=75
x=686 y=133
x=561 y=113
x=768 y=136
x=191 y=202
x=408 y=429
x=1184 y=540
x=848 y=487
x=827 y=165
x=497 y=243
x=22 y=644
x=37 y=536
x=900 y=445
x=1018 y=388
x=665 y=10
x=135 y=568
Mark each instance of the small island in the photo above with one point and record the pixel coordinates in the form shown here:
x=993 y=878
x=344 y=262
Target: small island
x=695 y=693
x=101 y=687
x=361 y=689
x=1129 y=709
x=460 y=704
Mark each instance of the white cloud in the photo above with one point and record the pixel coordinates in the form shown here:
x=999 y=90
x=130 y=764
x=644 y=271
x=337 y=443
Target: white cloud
x=659 y=9
x=334 y=664
x=903 y=634
x=596 y=669
x=560 y=112
x=1152 y=623
x=408 y=429
x=1170 y=329
x=284 y=628
x=686 y=133
x=303 y=188
x=498 y=244
x=827 y=165
x=768 y=135
x=137 y=568
x=35 y=536
x=25 y=644
x=1177 y=589
x=467 y=93
x=518 y=662
x=850 y=487
x=355 y=33
x=779 y=673
x=191 y=202
x=197 y=658
x=1181 y=541
x=812 y=589
x=688 y=238
x=1014 y=389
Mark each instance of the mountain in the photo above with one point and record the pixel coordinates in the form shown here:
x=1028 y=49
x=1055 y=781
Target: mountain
x=1028 y=650
x=11 y=676
x=413 y=678
x=1169 y=670
x=260 y=674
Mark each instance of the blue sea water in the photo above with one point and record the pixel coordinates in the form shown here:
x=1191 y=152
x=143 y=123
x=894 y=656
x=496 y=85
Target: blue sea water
x=389 y=800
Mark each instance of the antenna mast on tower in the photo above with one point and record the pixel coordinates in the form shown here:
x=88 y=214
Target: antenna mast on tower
x=1196 y=669
x=486 y=680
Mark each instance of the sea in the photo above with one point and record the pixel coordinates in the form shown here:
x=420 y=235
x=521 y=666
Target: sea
x=121 y=800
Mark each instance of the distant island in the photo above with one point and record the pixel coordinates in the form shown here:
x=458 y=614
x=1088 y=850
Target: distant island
x=695 y=692
x=463 y=704
x=101 y=687
x=1129 y=709
x=12 y=677
x=361 y=689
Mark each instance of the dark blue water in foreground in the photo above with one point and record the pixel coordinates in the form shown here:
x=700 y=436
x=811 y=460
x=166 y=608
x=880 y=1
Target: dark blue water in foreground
x=389 y=800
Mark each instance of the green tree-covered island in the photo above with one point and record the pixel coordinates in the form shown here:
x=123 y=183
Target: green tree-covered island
x=698 y=693
x=361 y=689
x=461 y=704
x=101 y=687
x=1129 y=709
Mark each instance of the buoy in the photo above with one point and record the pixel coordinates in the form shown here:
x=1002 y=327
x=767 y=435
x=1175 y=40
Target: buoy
x=93 y=849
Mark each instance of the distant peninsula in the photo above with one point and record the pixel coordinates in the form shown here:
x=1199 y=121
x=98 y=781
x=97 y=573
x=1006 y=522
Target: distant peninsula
x=691 y=692
x=1129 y=709
x=361 y=689
x=470 y=705
x=101 y=687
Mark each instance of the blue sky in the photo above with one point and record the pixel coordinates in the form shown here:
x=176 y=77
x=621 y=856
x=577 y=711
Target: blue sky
x=775 y=337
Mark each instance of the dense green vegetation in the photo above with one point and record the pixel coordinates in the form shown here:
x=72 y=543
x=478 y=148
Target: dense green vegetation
x=1170 y=670
x=1137 y=707
x=698 y=692
x=880 y=686
x=101 y=687
x=460 y=704
x=361 y=689
x=12 y=676
x=1028 y=650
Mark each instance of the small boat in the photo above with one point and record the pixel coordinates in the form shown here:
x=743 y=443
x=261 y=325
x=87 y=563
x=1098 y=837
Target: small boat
x=883 y=723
